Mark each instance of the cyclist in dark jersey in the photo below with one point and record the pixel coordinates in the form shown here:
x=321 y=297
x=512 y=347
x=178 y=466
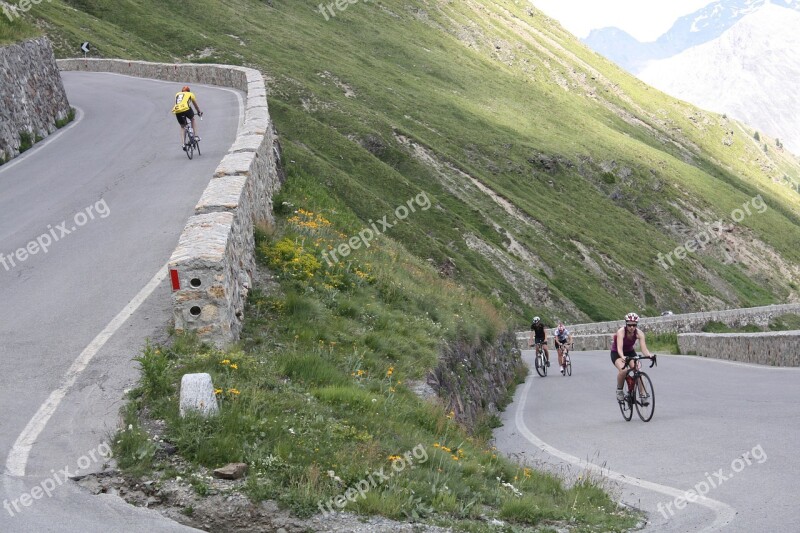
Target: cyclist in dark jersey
x=561 y=337
x=539 y=334
x=622 y=346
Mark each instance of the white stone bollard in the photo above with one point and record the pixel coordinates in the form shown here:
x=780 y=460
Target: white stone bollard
x=197 y=394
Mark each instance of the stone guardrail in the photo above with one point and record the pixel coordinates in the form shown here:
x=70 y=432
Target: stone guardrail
x=778 y=348
x=689 y=322
x=598 y=341
x=32 y=96
x=774 y=348
x=212 y=267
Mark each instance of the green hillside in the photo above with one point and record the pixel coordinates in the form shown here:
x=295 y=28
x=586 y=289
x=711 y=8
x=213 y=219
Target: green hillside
x=537 y=178
x=485 y=106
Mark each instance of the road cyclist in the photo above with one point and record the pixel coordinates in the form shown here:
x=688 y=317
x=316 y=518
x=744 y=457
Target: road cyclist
x=622 y=351
x=539 y=336
x=183 y=112
x=561 y=339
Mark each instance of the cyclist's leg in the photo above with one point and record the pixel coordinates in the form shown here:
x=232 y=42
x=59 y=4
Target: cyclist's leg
x=180 y=126
x=190 y=114
x=619 y=362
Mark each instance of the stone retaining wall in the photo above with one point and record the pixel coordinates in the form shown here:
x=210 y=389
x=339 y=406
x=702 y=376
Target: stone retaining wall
x=212 y=267
x=32 y=96
x=775 y=348
x=770 y=348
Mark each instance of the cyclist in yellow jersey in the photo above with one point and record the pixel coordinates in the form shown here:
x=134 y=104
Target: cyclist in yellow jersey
x=183 y=110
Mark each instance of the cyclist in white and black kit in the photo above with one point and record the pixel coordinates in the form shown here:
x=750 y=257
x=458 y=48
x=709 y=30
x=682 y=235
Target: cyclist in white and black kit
x=561 y=337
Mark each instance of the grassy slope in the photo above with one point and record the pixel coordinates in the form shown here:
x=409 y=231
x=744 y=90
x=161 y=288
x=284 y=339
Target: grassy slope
x=17 y=30
x=487 y=88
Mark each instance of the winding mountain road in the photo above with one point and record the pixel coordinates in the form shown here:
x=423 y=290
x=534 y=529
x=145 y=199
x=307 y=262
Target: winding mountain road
x=96 y=211
x=728 y=430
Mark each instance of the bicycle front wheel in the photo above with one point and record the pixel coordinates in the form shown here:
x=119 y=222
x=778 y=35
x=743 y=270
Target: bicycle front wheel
x=197 y=145
x=568 y=364
x=645 y=397
x=539 y=364
x=625 y=405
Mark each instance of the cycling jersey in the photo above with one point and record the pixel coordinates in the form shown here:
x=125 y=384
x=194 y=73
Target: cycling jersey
x=538 y=331
x=627 y=342
x=562 y=338
x=182 y=100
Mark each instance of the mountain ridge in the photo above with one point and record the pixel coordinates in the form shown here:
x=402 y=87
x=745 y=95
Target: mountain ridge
x=694 y=29
x=743 y=73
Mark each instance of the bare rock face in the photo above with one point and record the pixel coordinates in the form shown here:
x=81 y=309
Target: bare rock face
x=197 y=394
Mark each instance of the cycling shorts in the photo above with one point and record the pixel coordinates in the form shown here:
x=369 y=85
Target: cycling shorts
x=184 y=115
x=615 y=355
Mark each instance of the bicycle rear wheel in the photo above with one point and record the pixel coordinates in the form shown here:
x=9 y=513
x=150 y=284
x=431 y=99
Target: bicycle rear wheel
x=187 y=144
x=645 y=406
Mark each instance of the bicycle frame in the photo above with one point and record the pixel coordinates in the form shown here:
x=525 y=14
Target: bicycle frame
x=640 y=393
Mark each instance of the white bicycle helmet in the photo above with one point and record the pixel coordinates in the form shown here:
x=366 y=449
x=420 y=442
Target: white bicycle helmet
x=536 y=320
x=631 y=318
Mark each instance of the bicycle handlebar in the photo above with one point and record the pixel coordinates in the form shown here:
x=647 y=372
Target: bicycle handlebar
x=653 y=360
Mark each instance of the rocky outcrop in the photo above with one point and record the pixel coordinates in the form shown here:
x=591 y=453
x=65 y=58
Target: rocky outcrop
x=32 y=96
x=475 y=378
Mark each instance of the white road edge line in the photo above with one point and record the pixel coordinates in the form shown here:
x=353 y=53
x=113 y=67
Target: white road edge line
x=724 y=513
x=40 y=145
x=18 y=456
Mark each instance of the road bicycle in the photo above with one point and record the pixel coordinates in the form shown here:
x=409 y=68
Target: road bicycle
x=567 y=360
x=539 y=362
x=190 y=141
x=638 y=391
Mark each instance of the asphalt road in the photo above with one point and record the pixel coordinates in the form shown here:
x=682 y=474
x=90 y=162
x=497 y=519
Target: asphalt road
x=730 y=430
x=107 y=197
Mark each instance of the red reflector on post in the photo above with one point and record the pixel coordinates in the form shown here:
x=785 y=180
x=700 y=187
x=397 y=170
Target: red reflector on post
x=176 y=282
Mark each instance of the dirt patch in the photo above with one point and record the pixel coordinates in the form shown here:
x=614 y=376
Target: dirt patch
x=197 y=499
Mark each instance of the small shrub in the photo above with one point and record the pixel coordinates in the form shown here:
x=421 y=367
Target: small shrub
x=25 y=141
x=156 y=380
